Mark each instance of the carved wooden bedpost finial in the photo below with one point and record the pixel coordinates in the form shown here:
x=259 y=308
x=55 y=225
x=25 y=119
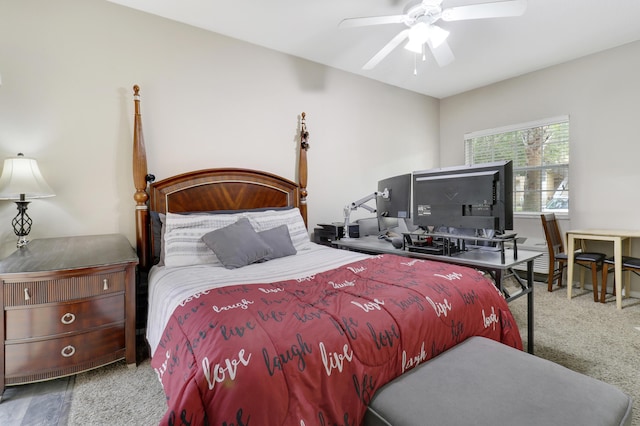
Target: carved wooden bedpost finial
x=140 y=182
x=304 y=135
x=302 y=166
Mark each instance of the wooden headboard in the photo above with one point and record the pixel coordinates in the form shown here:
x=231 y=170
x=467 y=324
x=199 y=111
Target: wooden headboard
x=209 y=190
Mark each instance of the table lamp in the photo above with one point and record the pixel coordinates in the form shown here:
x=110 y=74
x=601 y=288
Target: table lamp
x=21 y=179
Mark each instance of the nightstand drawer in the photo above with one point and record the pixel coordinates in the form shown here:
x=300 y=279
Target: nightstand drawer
x=53 y=319
x=40 y=358
x=32 y=292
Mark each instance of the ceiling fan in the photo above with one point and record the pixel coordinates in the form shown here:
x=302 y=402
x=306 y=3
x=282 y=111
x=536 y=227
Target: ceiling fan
x=421 y=17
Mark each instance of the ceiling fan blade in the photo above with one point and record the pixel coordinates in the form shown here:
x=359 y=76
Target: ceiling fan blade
x=399 y=38
x=499 y=9
x=442 y=54
x=373 y=20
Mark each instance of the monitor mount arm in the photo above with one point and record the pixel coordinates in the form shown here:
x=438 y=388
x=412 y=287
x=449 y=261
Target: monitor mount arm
x=361 y=203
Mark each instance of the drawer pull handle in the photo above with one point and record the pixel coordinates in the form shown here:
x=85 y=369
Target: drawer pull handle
x=26 y=294
x=68 y=318
x=106 y=284
x=68 y=351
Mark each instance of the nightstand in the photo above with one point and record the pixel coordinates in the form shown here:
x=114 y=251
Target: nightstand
x=68 y=306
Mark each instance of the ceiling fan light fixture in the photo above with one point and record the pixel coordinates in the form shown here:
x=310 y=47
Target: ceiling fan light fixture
x=418 y=36
x=414 y=46
x=437 y=35
x=421 y=33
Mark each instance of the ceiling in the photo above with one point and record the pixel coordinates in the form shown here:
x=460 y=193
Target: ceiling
x=486 y=50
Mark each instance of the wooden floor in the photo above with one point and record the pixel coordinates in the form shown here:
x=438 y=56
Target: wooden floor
x=37 y=404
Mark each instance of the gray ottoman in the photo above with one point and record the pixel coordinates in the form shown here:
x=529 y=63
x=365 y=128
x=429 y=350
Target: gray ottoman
x=483 y=382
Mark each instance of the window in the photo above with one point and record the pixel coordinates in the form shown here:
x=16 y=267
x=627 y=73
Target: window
x=540 y=154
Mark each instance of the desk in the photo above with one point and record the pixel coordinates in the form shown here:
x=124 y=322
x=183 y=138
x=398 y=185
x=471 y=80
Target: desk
x=492 y=261
x=618 y=237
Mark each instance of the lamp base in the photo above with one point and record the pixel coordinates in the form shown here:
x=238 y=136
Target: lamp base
x=22 y=223
x=22 y=241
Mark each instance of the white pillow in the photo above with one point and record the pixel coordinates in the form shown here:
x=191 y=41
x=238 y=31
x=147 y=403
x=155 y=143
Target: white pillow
x=183 y=243
x=262 y=221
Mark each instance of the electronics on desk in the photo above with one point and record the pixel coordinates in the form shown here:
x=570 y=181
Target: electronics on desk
x=425 y=243
x=465 y=197
x=457 y=241
x=326 y=233
x=393 y=201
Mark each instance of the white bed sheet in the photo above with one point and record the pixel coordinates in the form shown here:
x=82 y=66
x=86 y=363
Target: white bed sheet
x=168 y=287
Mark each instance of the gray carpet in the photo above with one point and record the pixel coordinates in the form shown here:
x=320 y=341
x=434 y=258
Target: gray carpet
x=592 y=338
x=118 y=395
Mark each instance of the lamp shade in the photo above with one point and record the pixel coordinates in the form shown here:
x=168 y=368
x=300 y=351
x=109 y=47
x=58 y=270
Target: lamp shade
x=21 y=177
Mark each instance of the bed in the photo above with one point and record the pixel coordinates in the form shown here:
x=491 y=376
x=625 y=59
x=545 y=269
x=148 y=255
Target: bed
x=249 y=322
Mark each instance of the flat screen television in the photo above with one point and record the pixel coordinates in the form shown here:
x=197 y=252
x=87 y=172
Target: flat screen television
x=395 y=204
x=465 y=197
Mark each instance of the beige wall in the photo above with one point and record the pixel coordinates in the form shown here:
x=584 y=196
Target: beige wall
x=67 y=70
x=600 y=93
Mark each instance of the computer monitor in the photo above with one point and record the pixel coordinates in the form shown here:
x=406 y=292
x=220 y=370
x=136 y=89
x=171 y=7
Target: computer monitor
x=465 y=197
x=393 y=203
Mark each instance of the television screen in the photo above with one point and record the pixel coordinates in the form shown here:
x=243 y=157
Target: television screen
x=469 y=197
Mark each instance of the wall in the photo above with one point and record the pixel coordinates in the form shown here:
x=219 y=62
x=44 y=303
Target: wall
x=600 y=94
x=207 y=101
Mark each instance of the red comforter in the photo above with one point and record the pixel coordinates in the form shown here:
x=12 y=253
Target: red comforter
x=313 y=351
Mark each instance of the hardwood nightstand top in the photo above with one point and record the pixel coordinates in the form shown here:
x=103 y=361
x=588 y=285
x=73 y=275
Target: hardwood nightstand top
x=53 y=254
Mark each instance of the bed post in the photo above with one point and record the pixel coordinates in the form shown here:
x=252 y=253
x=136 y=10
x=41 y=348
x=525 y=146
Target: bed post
x=140 y=182
x=302 y=167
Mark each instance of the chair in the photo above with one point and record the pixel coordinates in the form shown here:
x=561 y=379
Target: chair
x=628 y=264
x=558 y=258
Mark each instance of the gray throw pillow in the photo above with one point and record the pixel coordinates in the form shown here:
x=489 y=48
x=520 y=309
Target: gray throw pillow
x=237 y=245
x=279 y=240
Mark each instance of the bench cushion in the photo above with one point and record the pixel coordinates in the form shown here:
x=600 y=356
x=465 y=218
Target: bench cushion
x=483 y=382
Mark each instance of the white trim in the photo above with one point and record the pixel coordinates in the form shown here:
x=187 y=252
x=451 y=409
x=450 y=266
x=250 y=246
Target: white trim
x=515 y=127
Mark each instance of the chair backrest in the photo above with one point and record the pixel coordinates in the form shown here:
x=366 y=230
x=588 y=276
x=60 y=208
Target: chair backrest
x=552 y=234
